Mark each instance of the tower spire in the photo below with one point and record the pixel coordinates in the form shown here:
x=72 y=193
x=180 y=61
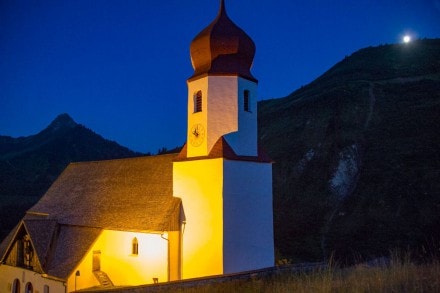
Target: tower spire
x=222 y=7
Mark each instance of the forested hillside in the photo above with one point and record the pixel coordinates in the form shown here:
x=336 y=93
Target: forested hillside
x=357 y=156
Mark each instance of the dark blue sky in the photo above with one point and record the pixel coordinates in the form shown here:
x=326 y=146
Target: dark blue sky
x=120 y=67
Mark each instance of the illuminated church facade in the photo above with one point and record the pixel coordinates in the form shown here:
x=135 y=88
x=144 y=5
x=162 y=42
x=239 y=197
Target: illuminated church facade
x=205 y=211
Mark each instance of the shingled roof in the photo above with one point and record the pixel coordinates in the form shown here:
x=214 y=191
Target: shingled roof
x=73 y=242
x=41 y=232
x=57 y=257
x=129 y=194
x=133 y=194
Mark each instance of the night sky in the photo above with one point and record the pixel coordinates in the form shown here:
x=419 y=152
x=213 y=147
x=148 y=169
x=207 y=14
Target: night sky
x=120 y=67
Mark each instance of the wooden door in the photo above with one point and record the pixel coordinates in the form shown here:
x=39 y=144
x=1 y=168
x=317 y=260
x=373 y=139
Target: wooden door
x=96 y=260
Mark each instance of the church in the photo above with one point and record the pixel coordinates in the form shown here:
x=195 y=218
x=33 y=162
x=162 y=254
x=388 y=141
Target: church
x=202 y=212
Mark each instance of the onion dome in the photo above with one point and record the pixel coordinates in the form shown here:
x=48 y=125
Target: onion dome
x=222 y=48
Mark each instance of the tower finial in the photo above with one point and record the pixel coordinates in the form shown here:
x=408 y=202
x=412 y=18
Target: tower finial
x=222 y=7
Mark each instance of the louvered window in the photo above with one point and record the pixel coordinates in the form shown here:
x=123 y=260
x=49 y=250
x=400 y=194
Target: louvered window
x=247 y=101
x=198 y=102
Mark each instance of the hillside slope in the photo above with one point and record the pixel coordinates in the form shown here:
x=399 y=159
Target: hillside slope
x=29 y=165
x=357 y=156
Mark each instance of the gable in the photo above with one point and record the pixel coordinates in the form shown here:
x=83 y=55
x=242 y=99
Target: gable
x=20 y=250
x=56 y=249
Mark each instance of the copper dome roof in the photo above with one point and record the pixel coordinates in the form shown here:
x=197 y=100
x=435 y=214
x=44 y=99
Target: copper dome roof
x=222 y=48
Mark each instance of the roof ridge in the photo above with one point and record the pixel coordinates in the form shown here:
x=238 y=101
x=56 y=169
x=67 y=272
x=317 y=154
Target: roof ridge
x=123 y=159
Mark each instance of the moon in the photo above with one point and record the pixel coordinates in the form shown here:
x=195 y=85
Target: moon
x=407 y=39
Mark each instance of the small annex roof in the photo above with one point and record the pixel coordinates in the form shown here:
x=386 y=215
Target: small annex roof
x=72 y=244
x=132 y=194
x=58 y=248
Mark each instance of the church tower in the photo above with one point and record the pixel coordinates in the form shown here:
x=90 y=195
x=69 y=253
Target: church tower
x=222 y=91
x=223 y=179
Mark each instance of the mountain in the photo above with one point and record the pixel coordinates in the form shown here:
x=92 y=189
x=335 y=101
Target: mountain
x=29 y=165
x=356 y=153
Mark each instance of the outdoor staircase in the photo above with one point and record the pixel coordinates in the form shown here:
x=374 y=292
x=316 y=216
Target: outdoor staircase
x=103 y=279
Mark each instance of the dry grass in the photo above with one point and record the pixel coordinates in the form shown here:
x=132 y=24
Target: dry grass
x=400 y=276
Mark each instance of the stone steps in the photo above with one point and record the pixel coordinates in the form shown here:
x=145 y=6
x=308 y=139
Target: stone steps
x=103 y=279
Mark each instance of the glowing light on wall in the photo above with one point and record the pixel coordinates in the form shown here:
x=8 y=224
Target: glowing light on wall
x=120 y=264
x=201 y=191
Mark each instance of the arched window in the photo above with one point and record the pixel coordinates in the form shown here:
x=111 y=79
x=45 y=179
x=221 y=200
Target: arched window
x=29 y=288
x=247 y=101
x=198 y=102
x=16 y=286
x=134 y=246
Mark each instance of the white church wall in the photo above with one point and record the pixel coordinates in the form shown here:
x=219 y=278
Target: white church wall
x=248 y=216
x=244 y=140
x=198 y=117
x=9 y=273
x=222 y=107
x=219 y=114
x=223 y=114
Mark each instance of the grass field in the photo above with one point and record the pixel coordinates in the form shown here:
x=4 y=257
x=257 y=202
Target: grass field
x=398 y=276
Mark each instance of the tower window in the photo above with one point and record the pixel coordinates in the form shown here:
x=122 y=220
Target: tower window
x=134 y=246
x=198 y=102
x=247 y=101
